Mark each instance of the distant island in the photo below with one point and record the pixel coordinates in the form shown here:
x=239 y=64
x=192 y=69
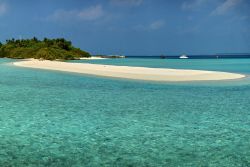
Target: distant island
x=110 y=56
x=48 y=49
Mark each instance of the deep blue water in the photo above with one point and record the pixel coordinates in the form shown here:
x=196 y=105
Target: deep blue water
x=53 y=118
x=202 y=56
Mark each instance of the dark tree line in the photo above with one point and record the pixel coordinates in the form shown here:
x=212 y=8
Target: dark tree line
x=51 y=49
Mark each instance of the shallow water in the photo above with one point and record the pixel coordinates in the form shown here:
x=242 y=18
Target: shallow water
x=52 y=118
x=228 y=65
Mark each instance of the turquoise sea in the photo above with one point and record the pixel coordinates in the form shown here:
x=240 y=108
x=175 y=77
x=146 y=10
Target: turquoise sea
x=50 y=118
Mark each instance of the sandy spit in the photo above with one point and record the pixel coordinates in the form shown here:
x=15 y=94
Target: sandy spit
x=138 y=73
x=92 y=58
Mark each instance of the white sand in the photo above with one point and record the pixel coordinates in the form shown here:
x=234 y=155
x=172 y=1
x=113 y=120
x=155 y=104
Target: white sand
x=91 y=58
x=139 y=73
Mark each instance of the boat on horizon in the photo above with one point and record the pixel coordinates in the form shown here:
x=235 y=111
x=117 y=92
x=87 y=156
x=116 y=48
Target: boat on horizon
x=115 y=56
x=183 y=57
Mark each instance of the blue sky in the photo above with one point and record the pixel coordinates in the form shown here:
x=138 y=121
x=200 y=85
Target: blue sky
x=133 y=27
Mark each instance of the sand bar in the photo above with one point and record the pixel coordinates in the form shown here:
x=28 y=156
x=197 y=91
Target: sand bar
x=138 y=73
x=92 y=58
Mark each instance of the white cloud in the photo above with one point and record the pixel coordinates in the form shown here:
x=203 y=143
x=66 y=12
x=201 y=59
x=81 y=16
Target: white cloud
x=3 y=8
x=126 y=2
x=157 y=25
x=87 y=14
x=225 y=7
x=91 y=13
x=192 y=5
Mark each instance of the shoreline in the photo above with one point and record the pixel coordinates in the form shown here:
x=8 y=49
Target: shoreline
x=127 y=72
x=92 y=58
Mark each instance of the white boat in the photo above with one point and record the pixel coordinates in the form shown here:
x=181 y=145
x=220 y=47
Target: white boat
x=116 y=56
x=183 y=57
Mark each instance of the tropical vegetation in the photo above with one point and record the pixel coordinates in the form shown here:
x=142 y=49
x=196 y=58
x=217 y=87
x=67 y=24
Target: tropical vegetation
x=49 y=49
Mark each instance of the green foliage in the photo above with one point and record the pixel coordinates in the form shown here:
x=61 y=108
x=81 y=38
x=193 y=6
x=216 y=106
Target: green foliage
x=49 y=49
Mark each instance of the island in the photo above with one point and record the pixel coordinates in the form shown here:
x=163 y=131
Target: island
x=47 y=49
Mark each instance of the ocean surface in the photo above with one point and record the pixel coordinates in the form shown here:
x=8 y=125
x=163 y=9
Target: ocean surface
x=57 y=119
x=212 y=56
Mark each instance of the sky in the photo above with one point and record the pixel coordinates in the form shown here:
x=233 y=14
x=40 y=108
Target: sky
x=133 y=27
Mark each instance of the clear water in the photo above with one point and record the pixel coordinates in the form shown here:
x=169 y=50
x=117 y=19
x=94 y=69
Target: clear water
x=50 y=118
x=228 y=65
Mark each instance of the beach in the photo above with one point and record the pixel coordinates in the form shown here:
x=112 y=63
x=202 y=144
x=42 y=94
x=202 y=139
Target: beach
x=92 y=58
x=127 y=72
